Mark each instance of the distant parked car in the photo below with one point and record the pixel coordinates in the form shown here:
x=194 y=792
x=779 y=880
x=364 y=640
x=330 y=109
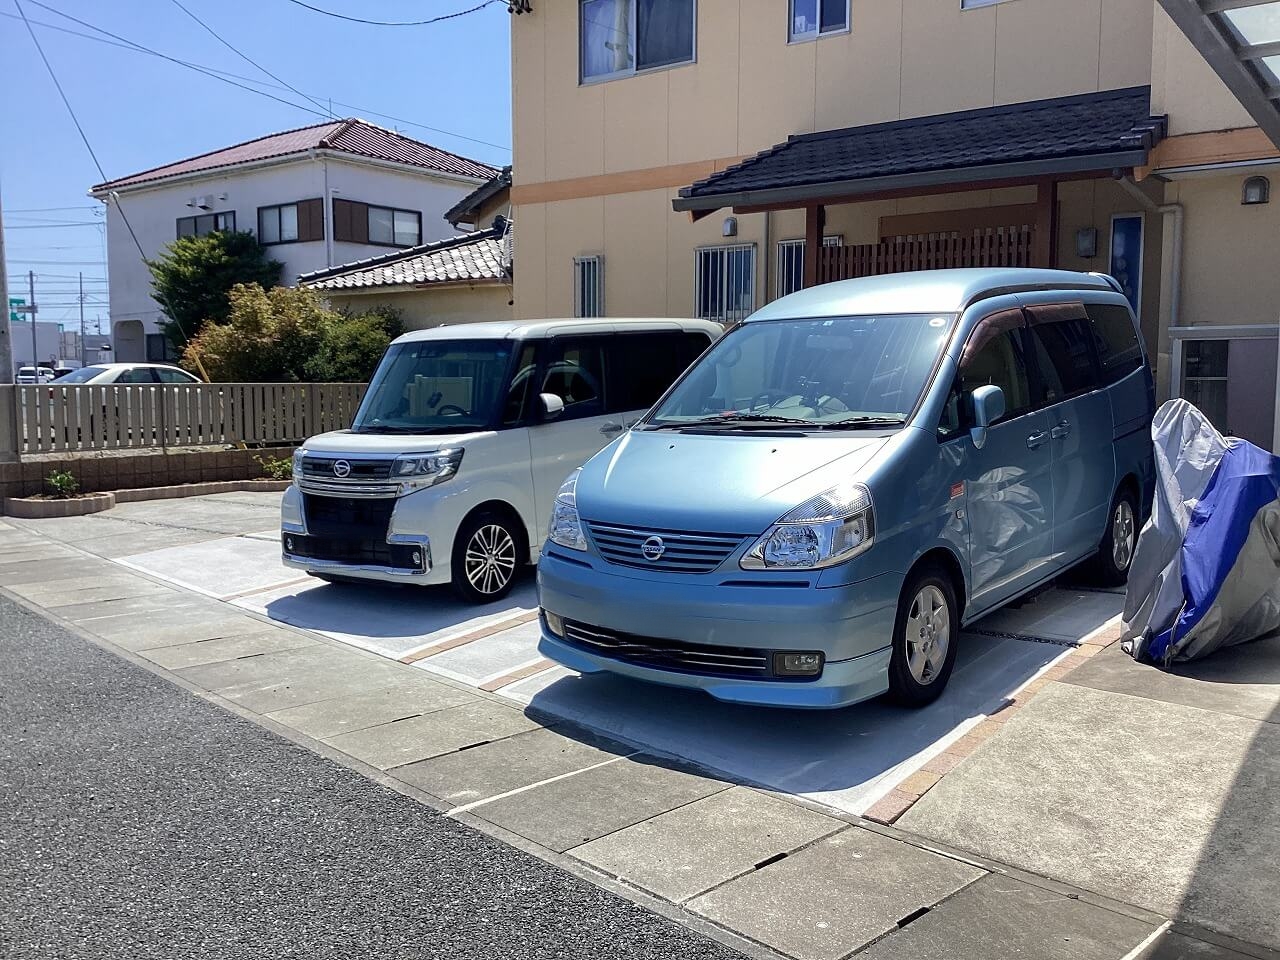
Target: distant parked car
x=101 y=374
x=34 y=374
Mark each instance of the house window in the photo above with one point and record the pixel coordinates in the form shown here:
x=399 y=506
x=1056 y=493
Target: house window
x=725 y=282
x=355 y=222
x=622 y=37
x=588 y=286
x=278 y=224
x=813 y=18
x=791 y=263
x=159 y=349
x=206 y=223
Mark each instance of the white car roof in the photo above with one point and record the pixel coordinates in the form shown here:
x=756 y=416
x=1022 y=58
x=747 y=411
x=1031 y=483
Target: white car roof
x=542 y=329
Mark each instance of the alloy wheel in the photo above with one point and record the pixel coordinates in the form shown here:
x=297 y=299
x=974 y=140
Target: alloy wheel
x=928 y=634
x=490 y=559
x=1123 y=535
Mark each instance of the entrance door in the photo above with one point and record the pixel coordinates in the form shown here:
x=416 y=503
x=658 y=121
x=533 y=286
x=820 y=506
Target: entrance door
x=1008 y=481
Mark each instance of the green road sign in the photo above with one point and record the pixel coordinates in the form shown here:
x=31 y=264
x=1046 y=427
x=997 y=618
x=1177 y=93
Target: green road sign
x=14 y=316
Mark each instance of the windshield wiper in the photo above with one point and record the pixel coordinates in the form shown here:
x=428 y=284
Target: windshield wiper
x=863 y=423
x=731 y=420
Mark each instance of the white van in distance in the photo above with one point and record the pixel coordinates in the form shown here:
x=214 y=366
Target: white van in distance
x=450 y=469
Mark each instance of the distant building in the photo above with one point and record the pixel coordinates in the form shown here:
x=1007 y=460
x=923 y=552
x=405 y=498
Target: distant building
x=317 y=196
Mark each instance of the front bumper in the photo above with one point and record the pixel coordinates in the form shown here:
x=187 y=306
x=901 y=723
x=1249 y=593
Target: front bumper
x=852 y=625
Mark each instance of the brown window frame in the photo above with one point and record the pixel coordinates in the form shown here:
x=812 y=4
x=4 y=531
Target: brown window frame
x=310 y=218
x=195 y=221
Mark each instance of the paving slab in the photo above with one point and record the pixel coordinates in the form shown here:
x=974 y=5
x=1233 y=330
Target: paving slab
x=223 y=567
x=999 y=917
x=289 y=678
x=18 y=572
x=226 y=648
x=410 y=696
x=1175 y=946
x=189 y=622
x=1165 y=806
x=127 y=543
x=566 y=813
x=505 y=765
x=139 y=607
x=835 y=896
x=686 y=852
x=443 y=731
x=54 y=598
x=1243 y=681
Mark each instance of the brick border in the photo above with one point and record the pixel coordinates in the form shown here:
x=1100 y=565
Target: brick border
x=27 y=508
x=900 y=799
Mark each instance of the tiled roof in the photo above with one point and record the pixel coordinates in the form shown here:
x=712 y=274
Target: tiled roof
x=1042 y=136
x=467 y=207
x=354 y=136
x=473 y=256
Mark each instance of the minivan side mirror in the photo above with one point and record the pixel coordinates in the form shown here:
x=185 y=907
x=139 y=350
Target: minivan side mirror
x=988 y=407
x=552 y=406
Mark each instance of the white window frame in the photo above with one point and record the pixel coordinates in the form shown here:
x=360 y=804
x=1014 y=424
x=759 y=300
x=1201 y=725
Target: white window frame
x=584 y=80
x=584 y=304
x=277 y=210
x=818 y=33
x=793 y=243
x=729 y=316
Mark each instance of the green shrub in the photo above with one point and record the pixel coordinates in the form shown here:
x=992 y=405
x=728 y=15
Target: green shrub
x=276 y=468
x=63 y=483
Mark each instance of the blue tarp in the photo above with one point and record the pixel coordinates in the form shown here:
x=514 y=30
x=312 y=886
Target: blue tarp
x=1207 y=570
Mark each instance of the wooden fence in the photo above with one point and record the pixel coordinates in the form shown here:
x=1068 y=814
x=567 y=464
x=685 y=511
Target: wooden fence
x=1006 y=248
x=58 y=418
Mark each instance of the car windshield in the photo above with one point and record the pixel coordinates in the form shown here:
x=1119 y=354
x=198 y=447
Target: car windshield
x=838 y=373
x=83 y=375
x=436 y=386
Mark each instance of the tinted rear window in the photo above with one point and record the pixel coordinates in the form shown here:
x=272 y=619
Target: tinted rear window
x=643 y=365
x=1119 y=348
x=1062 y=340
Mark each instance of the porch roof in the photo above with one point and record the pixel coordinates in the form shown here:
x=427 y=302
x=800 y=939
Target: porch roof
x=1021 y=141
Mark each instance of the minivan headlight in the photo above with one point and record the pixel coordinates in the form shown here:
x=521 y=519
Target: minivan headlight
x=427 y=469
x=566 y=528
x=830 y=528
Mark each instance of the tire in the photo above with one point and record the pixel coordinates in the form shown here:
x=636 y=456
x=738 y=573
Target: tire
x=486 y=558
x=1115 y=555
x=923 y=654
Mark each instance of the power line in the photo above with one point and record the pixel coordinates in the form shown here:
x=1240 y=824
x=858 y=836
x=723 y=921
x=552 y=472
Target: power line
x=245 y=57
x=395 y=23
x=218 y=74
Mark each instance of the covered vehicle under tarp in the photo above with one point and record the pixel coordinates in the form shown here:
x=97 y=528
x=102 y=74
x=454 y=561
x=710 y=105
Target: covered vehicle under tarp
x=1206 y=573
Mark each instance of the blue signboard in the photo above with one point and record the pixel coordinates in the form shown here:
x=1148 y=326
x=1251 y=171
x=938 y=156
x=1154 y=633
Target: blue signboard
x=1126 y=256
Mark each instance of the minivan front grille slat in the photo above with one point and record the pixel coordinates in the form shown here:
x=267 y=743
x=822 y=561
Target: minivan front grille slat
x=702 y=659
x=682 y=552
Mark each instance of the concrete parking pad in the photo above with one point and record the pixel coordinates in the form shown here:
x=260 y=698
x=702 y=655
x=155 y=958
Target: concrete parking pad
x=504 y=765
x=442 y=731
x=226 y=648
x=224 y=567
x=1175 y=946
x=835 y=896
x=686 y=852
x=999 y=917
x=191 y=621
x=289 y=678
x=408 y=696
x=15 y=572
x=574 y=810
x=1166 y=806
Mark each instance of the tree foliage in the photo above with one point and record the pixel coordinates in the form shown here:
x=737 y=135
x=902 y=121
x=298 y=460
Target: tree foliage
x=286 y=334
x=192 y=278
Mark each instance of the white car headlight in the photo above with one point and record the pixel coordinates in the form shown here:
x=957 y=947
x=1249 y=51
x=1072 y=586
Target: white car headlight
x=297 y=462
x=830 y=528
x=427 y=469
x=566 y=528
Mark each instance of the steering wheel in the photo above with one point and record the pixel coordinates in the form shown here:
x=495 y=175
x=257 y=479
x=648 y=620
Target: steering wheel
x=459 y=412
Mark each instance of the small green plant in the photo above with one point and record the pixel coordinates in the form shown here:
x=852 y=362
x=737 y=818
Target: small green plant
x=276 y=468
x=64 y=484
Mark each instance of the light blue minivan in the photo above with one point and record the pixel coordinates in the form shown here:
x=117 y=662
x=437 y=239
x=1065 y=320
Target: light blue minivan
x=813 y=511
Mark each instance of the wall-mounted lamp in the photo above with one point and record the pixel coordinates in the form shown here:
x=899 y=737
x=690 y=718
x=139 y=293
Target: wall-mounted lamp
x=1256 y=190
x=730 y=227
x=1087 y=243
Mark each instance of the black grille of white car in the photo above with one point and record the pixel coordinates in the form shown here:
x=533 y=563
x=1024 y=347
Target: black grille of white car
x=322 y=468
x=666 y=550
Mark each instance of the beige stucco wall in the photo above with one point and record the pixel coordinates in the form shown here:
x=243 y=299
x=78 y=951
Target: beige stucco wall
x=1184 y=86
x=436 y=306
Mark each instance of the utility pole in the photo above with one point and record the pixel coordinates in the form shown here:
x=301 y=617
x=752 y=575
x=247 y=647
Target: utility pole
x=31 y=308
x=83 y=352
x=6 y=341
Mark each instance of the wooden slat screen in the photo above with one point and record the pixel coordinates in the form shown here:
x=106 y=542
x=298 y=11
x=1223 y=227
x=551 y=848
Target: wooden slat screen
x=995 y=248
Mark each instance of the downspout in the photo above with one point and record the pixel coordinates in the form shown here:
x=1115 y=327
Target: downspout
x=328 y=215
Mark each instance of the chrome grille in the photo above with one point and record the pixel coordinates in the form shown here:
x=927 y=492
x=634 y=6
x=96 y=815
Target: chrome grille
x=669 y=654
x=681 y=552
x=322 y=468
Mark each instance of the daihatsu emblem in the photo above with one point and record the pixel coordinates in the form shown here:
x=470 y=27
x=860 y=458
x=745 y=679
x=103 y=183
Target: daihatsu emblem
x=652 y=549
x=341 y=469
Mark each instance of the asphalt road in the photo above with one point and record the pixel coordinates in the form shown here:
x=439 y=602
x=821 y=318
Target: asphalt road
x=137 y=820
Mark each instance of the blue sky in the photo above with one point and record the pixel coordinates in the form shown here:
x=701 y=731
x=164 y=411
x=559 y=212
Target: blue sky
x=139 y=111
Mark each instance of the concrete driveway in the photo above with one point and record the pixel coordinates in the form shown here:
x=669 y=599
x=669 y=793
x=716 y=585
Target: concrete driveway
x=848 y=759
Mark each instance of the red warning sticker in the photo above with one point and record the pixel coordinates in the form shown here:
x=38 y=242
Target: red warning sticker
x=957 y=490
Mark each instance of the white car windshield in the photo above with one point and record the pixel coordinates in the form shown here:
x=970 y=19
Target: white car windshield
x=436 y=386
x=83 y=375
x=825 y=373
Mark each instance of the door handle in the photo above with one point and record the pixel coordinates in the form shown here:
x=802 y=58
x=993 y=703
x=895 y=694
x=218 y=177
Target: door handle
x=1037 y=439
x=1061 y=430
x=609 y=428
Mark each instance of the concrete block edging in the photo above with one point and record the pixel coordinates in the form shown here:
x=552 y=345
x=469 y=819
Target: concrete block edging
x=27 y=508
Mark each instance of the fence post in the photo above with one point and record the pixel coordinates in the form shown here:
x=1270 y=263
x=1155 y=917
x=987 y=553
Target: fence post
x=164 y=419
x=10 y=436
